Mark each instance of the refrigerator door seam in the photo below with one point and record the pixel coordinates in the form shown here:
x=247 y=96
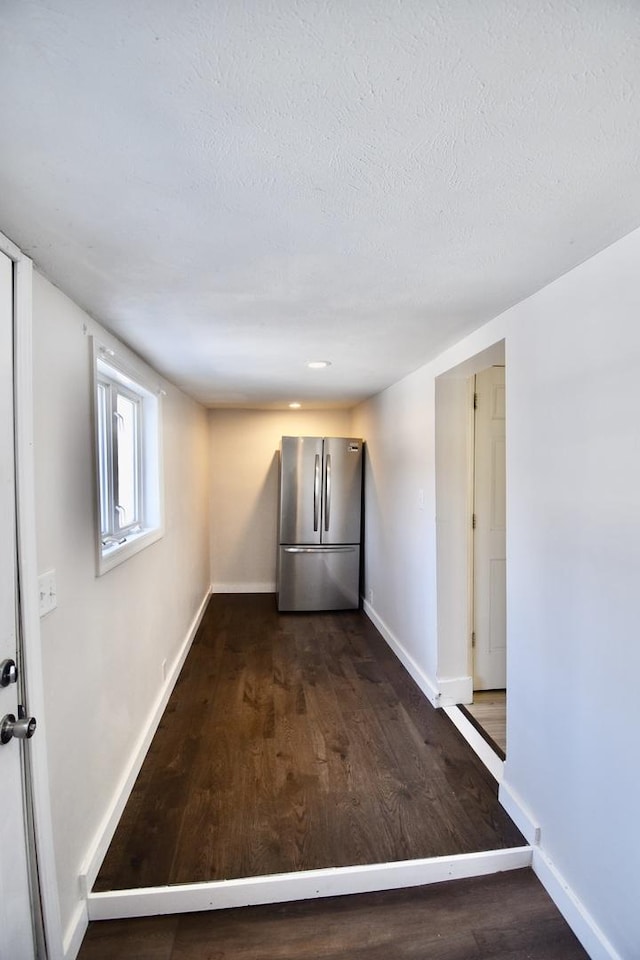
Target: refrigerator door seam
x=316 y=493
x=327 y=492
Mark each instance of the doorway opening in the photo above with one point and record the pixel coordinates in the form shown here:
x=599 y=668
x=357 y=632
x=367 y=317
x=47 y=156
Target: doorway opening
x=489 y=560
x=471 y=550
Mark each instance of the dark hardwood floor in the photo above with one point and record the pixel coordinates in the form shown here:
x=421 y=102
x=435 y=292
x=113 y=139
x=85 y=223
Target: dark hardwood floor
x=507 y=916
x=298 y=741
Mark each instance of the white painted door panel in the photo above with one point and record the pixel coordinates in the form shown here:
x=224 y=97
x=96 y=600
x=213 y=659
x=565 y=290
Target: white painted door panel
x=490 y=533
x=16 y=936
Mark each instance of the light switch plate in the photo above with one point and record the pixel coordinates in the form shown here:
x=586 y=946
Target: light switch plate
x=48 y=595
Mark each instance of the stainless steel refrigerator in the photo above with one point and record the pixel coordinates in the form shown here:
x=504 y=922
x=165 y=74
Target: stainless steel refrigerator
x=319 y=523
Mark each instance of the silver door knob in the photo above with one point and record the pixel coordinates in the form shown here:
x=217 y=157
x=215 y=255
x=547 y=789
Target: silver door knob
x=22 y=729
x=8 y=673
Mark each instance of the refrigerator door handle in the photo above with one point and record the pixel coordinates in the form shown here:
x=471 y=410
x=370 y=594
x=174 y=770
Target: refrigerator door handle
x=327 y=493
x=316 y=493
x=319 y=549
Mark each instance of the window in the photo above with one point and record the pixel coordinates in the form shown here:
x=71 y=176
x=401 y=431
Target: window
x=127 y=459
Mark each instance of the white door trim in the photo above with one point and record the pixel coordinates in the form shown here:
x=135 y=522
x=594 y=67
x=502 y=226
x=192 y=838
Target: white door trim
x=28 y=578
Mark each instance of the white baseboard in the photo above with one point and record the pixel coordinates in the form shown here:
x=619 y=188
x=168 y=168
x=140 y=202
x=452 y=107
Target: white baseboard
x=454 y=690
x=519 y=813
x=572 y=909
x=74 y=934
x=477 y=743
x=107 y=828
x=429 y=689
x=305 y=885
x=257 y=587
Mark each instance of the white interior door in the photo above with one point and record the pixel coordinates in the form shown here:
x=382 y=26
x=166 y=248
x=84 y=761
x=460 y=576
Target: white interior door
x=16 y=934
x=490 y=669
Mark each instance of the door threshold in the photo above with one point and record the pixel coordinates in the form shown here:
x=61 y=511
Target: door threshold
x=489 y=753
x=303 y=885
x=483 y=733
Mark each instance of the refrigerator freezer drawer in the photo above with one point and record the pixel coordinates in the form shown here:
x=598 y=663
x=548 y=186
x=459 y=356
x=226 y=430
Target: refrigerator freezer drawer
x=319 y=578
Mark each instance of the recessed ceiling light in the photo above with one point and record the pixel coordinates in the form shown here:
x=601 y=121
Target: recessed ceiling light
x=318 y=364
x=295 y=406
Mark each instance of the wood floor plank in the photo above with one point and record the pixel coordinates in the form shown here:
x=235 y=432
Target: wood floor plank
x=147 y=938
x=298 y=742
x=506 y=916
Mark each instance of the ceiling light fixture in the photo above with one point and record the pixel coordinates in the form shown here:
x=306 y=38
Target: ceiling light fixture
x=295 y=406
x=318 y=364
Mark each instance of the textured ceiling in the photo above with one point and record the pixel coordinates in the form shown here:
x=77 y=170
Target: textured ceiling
x=237 y=187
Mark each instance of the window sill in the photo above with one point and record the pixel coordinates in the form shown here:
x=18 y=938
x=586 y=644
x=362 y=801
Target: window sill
x=113 y=555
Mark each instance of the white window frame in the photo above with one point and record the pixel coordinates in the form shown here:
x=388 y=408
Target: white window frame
x=115 y=375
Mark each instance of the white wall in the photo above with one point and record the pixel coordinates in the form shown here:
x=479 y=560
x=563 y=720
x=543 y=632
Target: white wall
x=399 y=538
x=573 y=468
x=244 y=489
x=573 y=522
x=453 y=518
x=104 y=645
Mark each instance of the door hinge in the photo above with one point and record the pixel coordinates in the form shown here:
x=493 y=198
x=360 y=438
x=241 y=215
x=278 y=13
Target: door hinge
x=475 y=401
x=473 y=639
x=473 y=521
